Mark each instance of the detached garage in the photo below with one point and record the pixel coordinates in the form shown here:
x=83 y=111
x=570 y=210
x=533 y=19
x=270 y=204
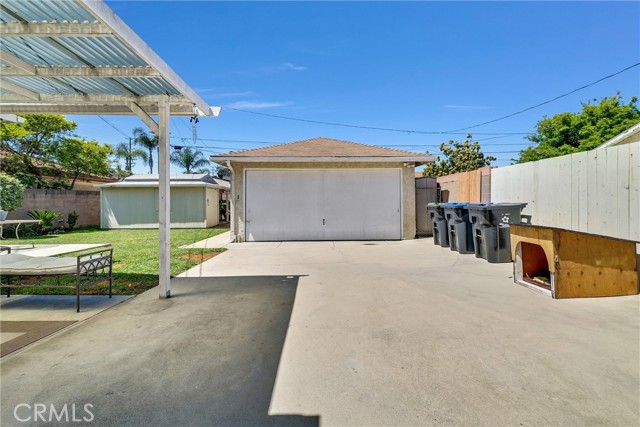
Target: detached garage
x=133 y=203
x=322 y=189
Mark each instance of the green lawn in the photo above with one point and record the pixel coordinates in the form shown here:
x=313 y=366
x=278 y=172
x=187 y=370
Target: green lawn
x=135 y=256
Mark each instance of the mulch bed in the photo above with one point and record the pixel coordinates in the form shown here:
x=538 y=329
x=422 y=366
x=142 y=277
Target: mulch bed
x=199 y=257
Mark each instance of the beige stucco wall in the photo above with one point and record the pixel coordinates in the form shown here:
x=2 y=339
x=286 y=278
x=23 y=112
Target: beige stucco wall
x=237 y=183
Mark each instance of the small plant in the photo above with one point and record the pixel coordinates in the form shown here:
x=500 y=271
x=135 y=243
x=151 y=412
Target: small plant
x=72 y=219
x=11 y=193
x=46 y=218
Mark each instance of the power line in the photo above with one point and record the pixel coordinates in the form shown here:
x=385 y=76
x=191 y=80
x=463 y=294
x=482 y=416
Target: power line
x=548 y=101
x=423 y=132
x=216 y=150
x=110 y=124
x=244 y=141
x=177 y=130
x=451 y=132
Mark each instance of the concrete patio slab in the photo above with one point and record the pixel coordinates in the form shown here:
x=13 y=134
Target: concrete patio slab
x=351 y=333
x=207 y=356
x=218 y=241
x=55 y=307
x=408 y=333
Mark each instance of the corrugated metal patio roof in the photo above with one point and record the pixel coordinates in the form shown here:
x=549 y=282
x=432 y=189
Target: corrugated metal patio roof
x=78 y=57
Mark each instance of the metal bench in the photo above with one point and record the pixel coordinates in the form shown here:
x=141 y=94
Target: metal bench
x=88 y=269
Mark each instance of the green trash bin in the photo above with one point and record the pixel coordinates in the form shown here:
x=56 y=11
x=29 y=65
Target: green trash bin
x=440 y=233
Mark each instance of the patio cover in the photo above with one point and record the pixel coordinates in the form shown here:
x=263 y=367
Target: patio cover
x=79 y=57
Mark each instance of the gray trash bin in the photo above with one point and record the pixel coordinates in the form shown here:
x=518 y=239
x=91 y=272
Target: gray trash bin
x=460 y=233
x=440 y=234
x=490 y=229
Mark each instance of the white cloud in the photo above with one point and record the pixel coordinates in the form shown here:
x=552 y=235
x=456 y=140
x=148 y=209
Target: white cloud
x=214 y=93
x=290 y=66
x=257 y=105
x=287 y=66
x=468 y=107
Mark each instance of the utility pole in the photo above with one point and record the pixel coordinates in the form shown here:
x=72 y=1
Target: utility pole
x=129 y=162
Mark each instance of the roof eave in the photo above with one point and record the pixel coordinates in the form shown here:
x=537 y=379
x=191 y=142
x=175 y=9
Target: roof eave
x=419 y=160
x=152 y=184
x=620 y=137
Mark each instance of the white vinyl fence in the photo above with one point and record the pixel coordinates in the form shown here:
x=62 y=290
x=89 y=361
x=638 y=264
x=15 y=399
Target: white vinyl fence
x=596 y=192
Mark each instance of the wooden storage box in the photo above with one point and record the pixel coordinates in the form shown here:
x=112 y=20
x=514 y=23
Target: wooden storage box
x=570 y=264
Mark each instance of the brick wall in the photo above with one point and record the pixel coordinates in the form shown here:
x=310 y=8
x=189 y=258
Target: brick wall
x=85 y=203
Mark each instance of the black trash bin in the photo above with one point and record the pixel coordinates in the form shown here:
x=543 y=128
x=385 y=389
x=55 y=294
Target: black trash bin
x=490 y=229
x=440 y=234
x=460 y=235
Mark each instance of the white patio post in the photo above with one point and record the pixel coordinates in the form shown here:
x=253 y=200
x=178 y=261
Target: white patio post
x=164 y=202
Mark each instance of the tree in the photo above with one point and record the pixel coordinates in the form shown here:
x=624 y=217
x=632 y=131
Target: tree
x=37 y=138
x=148 y=142
x=79 y=157
x=567 y=133
x=222 y=171
x=11 y=193
x=459 y=157
x=124 y=151
x=119 y=173
x=189 y=160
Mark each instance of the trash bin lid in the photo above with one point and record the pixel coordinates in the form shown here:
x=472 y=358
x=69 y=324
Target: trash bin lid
x=478 y=206
x=507 y=205
x=455 y=205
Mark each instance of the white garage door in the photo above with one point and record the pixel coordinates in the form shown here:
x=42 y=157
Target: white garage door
x=323 y=204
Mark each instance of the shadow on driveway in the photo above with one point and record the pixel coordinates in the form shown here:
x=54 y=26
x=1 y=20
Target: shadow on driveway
x=207 y=356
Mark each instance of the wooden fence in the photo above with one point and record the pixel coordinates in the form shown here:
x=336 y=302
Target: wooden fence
x=595 y=192
x=472 y=186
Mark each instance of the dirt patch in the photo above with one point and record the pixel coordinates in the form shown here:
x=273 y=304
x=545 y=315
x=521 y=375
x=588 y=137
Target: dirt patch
x=199 y=257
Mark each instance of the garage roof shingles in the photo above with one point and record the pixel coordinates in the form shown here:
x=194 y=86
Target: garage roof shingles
x=320 y=147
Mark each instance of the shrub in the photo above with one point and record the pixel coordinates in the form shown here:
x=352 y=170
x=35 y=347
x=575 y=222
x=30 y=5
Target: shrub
x=11 y=193
x=58 y=184
x=72 y=219
x=46 y=218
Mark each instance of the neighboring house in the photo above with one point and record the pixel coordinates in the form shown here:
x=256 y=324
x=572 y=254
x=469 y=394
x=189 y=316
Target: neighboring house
x=133 y=203
x=83 y=183
x=322 y=189
x=627 y=137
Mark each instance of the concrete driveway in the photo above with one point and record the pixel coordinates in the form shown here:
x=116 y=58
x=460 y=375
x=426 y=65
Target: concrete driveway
x=344 y=333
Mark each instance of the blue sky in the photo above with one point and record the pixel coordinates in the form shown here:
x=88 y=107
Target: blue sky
x=430 y=66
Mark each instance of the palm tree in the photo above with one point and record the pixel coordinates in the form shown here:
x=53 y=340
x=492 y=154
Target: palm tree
x=124 y=151
x=189 y=160
x=150 y=142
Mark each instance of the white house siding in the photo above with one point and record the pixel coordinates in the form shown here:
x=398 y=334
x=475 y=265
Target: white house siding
x=596 y=192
